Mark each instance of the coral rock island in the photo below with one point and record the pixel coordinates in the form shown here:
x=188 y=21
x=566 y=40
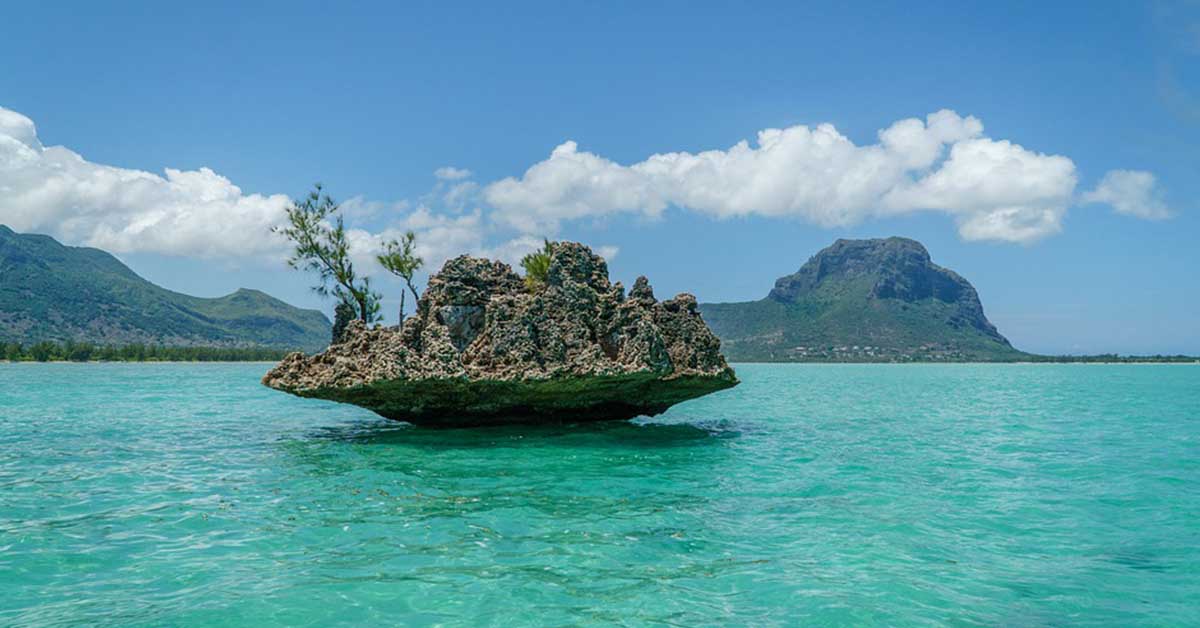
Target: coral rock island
x=486 y=348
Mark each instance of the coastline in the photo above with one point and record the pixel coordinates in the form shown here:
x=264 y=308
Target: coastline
x=138 y=362
x=1189 y=362
x=983 y=362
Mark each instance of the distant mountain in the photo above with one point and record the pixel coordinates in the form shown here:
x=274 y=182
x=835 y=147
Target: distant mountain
x=53 y=292
x=862 y=300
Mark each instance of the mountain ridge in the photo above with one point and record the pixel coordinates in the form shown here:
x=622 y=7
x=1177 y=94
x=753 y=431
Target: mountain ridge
x=53 y=292
x=862 y=300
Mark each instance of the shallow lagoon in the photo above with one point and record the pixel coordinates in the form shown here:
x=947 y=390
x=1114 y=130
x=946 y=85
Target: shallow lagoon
x=1025 y=495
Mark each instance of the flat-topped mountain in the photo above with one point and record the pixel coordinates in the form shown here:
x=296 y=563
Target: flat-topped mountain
x=53 y=292
x=862 y=300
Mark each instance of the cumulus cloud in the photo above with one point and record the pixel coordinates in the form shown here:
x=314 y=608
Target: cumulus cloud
x=450 y=173
x=18 y=130
x=460 y=194
x=441 y=237
x=182 y=212
x=1130 y=192
x=994 y=189
x=199 y=213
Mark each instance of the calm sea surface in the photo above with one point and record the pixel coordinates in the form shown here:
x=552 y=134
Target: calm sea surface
x=1007 y=495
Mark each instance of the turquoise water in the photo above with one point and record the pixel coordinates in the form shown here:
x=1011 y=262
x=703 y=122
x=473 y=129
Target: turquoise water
x=1019 y=495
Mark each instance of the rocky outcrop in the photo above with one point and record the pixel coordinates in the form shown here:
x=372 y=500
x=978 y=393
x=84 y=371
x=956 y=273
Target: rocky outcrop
x=881 y=300
x=484 y=348
x=895 y=268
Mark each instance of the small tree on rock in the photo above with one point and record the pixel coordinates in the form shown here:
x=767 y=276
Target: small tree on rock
x=537 y=266
x=321 y=246
x=400 y=259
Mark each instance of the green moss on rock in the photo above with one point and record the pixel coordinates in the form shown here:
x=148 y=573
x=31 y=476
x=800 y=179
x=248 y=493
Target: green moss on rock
x=461 y=401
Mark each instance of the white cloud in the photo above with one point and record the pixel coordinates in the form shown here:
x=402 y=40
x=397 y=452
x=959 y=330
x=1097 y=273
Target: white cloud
x=608 y=252
x=512 y=251
x=460 y=194
x=450 y=173
x=995 y=189
x=185 y=212
x=19 y=130
x=196 y=213
x=439 y=238
x=1011 y=224
x=1130 y=192
x=570 y=185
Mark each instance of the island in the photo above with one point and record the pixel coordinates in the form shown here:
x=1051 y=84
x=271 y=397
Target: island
x=486 y=347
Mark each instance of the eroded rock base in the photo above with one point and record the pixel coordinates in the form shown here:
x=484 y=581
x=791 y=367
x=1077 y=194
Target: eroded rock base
x=459 y=402
x=485 y=347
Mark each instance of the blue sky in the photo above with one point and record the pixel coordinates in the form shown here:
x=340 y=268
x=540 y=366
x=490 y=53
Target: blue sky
x=373 y=99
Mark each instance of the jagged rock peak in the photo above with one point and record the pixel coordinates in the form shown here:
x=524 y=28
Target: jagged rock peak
x=485 y=347
x=900 y=267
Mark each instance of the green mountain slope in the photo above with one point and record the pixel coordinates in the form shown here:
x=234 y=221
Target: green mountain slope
x=53 y=292
x=862 y=300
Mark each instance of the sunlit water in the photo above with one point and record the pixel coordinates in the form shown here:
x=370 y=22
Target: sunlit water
x=1020 y=495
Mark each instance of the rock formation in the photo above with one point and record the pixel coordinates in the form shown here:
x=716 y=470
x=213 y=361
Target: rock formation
x=483 y=348
x=880 y=300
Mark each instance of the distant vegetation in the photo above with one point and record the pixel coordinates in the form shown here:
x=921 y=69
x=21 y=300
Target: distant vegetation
x=87 y=352
x=877 y=355
x=873 y=301
x=1110 y=357
x=55 y=293
x=862 y=301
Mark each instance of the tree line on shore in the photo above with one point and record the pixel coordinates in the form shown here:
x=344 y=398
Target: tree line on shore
x=71 y=351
